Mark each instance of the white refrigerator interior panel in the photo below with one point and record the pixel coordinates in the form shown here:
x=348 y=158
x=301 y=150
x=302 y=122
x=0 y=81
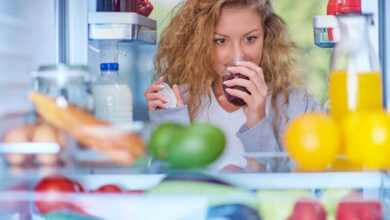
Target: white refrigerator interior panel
x=386 y=46
x=78 y=32
x=371 y=6
x=26 y=41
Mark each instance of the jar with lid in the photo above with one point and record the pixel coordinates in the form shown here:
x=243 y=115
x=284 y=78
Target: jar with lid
x=355 y=82
x=70 y=82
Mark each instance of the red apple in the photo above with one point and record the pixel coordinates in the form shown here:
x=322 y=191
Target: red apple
x=135 y=191
x=53 y=187
x=109 y=188
x=308 y=209
x=354 y=207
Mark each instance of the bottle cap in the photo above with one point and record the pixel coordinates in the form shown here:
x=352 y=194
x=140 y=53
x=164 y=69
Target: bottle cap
x=109 y=66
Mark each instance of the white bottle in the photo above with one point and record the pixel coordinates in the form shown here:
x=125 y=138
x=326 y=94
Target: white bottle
x=112 y=96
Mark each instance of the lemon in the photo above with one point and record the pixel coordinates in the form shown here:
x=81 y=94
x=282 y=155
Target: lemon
x=367 y=139
x=312 y=140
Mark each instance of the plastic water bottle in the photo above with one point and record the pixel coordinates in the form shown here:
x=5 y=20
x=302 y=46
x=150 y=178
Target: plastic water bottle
x=112 y=96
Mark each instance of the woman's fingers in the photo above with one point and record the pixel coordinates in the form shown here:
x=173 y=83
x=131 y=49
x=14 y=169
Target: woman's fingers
x=156 y=87
x=160 y=80
x=255 y=68
x=243 y=83
x=156 y=104
x=154 y=99
x=178 y=95
x=252 y=75
x=240 y=94
x=156 y=96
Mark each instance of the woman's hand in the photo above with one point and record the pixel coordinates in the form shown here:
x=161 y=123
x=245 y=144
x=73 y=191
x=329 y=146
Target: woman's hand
x=156 y=100
x=255 y=108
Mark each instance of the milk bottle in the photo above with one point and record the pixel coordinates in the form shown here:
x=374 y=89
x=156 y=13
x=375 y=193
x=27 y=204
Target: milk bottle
x=113 y=97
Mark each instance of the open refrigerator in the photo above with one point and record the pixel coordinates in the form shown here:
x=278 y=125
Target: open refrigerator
x=148 y=191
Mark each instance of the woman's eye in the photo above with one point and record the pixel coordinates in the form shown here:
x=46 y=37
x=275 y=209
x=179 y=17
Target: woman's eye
x=251 y=38
x=220 y=41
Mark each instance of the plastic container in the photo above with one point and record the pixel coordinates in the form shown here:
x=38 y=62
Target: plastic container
x=112 y=96
x=355 y=79
x=326 y=31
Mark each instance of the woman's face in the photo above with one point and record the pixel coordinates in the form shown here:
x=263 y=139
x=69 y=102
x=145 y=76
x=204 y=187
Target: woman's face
x=238 y=34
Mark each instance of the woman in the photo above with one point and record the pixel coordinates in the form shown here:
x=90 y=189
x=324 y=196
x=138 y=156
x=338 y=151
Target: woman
x=198 y=45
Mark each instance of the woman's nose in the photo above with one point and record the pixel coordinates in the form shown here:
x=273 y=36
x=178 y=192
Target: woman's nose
x=238 y=51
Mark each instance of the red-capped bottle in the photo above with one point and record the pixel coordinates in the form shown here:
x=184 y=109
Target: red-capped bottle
x=336 y=7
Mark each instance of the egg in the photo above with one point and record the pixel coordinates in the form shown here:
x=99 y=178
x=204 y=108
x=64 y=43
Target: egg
x=18 y=135
x=45 y=133
x=168 y=93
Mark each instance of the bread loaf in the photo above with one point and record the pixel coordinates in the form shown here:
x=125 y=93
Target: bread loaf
x=120 y=145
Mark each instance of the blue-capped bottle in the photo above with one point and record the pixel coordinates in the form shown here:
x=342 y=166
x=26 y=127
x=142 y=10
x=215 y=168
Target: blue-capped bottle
x=112 y=96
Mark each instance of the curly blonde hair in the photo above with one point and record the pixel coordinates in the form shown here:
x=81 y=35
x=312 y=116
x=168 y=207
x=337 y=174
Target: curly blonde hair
x=186 y=49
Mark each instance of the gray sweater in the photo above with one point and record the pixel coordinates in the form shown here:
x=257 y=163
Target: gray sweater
x=266 y=135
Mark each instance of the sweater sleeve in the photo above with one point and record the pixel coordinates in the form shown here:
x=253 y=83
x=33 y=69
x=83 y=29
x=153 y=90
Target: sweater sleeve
x=264 y=138
x=179 y=115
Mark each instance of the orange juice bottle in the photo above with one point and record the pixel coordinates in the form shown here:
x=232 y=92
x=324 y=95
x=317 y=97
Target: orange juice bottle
x=355 y=81
x=354 y=92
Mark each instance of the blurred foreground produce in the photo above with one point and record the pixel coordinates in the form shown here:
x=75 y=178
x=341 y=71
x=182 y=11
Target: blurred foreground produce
x=225 y=201
x=330 y=198
x=308 y=209
x=312 y=140
x=68 y=215
x=355 y=207
x=53 y=186
x=19 y=135
x=367 y=139
x=279 y=204
x=362 y=139
x=233 y=211
x=122 y=146
x=191 y=146
x=36 y=133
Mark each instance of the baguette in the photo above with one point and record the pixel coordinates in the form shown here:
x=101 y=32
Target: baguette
x=122 y=146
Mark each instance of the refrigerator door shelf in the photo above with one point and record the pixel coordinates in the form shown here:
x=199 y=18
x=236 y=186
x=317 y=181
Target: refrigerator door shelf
x=121 y=26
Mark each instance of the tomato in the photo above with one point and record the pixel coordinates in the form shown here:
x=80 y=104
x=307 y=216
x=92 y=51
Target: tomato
x=109 y=188
x=78 y=186
x=135 y=191
x=53 y=186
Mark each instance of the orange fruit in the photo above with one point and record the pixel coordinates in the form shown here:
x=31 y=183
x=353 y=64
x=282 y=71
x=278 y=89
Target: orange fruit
x=351 y=147
x=367 y=139
x=312 y=140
